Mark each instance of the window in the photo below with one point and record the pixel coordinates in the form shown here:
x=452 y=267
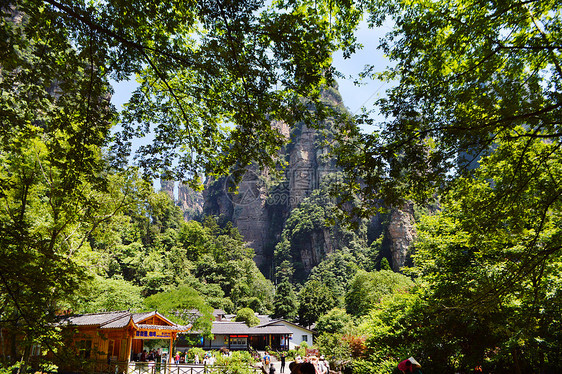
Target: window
x=305 y=338
x=110 y=347
x=84 y=348
x=36 y=350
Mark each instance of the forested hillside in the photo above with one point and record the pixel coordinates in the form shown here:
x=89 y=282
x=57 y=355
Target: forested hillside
x=151 y=249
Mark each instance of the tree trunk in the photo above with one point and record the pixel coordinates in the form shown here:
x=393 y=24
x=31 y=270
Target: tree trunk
x=516 y=367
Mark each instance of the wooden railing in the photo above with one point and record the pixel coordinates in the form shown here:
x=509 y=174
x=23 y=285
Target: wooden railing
x=165 y=368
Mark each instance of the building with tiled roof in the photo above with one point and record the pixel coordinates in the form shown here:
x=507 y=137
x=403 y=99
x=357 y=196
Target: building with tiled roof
x=111 y=340
x=276 y=334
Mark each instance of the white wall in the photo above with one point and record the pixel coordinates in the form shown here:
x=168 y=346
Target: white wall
x=297 y=335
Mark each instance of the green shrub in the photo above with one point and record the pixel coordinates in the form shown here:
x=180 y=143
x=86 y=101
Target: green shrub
x=196 y=351
x=238 y=362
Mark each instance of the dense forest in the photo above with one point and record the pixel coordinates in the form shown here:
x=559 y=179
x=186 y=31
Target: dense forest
x=470 y=140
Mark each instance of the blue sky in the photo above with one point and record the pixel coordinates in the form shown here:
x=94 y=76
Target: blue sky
x=354 y=96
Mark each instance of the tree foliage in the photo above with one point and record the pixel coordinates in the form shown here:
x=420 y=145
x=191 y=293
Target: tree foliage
x=200 y=66
x=54 y=120
x=107 y=295
x=366 y=289
x=183 y=305
x=473 y=116
x=285 y=304
x=247 y=316
x=333 y=322
x=315 y=299
x=467 y=75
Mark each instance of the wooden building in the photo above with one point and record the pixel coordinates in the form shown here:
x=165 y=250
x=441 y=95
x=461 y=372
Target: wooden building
x=109 y=341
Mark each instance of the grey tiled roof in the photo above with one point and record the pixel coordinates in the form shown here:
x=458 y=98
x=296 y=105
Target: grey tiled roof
x=94 y=319
x=121 y=322
x=284 y=322
x=137 y=317
x=225 y=328
x=263 y=319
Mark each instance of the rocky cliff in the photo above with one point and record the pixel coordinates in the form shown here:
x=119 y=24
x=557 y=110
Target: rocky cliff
x=190 y=201
x=262 y=203
x=401 y=231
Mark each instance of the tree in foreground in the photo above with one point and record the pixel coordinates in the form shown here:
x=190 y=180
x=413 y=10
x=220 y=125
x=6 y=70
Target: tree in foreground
x=54 y=187
x=474 y=117
x=213 y=75
x=488 y=273
x=468 y=75
x=200 y=65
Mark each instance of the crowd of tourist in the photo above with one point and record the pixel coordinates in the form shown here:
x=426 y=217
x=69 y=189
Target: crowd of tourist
x=310 y=364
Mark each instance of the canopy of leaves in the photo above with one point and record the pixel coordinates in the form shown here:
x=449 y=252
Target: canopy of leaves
x=315 y=299
x=366 y=289
x=203 y=65
x=467 y=75
x=474 y=115
x=247 y=316
x=107 y=294
x=54 y=120
x=488 y=272
x=285 y=304
x=183 y=305
x=333 y=322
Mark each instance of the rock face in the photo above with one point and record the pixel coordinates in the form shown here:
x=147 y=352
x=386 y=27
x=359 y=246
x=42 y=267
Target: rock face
x=189 y=200
x=262 y=203
x=401 y=232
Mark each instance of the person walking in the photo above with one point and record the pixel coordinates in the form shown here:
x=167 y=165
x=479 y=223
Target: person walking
x=325 y=363
x=266 y=360
x=282 y=357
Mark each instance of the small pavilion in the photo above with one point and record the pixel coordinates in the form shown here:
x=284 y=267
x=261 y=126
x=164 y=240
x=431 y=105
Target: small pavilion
x=113 y=339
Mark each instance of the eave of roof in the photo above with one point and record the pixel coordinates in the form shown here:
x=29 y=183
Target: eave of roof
x=94 y=319
x=163 y=327
x=225 y=328
x=289 y=323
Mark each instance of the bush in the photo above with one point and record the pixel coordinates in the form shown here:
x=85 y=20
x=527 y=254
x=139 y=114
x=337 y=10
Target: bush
x=239 y=362
x=336 y=350
x=301 y=350
x=196 y=351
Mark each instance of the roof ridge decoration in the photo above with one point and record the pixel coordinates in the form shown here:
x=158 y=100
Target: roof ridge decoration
x=97 y=313
x=151 y=314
